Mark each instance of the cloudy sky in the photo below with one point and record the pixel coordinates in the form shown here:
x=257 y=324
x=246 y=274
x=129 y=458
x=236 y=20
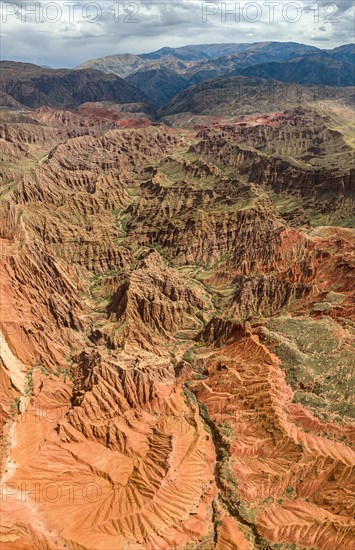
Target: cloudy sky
x=65 y=33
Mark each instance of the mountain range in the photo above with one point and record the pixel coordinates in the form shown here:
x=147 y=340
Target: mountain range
x=154 y=79
x=34 y=86
x=164 y=73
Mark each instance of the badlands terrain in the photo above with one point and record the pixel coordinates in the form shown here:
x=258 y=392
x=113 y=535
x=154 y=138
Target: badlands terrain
x=177 y=318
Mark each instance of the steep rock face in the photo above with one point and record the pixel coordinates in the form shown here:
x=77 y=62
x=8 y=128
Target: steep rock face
x=203 y=225
x=22 y=141
x=296 y=154
x=41 y=312
x=326 y=262
x=85 y=179
x=151 y=304
x=218 y=332
x=265 y=295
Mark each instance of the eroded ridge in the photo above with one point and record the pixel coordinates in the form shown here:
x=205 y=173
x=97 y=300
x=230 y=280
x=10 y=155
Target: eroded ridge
x=176 y=331
x=280 y=471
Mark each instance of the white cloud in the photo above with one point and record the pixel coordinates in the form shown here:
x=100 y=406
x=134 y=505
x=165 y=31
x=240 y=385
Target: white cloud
x=83 y=32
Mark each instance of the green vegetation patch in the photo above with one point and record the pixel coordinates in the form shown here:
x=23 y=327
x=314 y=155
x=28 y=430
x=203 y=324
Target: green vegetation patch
x=317 y=355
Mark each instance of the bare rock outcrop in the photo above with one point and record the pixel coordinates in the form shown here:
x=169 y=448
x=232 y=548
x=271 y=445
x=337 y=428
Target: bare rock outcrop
x=151 y=304
x=265 y=295
x=272 y=468
x=297 y=154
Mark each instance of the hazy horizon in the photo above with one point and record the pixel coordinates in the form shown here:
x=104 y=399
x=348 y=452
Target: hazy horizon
x=152 y=51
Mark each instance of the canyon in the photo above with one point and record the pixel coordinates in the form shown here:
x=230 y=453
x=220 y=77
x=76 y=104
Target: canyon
x=177 y=322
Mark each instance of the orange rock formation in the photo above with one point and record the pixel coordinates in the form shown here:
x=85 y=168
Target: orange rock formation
x=176 y=333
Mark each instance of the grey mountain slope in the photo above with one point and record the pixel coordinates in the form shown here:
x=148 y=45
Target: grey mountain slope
x=34 y=86
x=250 y=95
